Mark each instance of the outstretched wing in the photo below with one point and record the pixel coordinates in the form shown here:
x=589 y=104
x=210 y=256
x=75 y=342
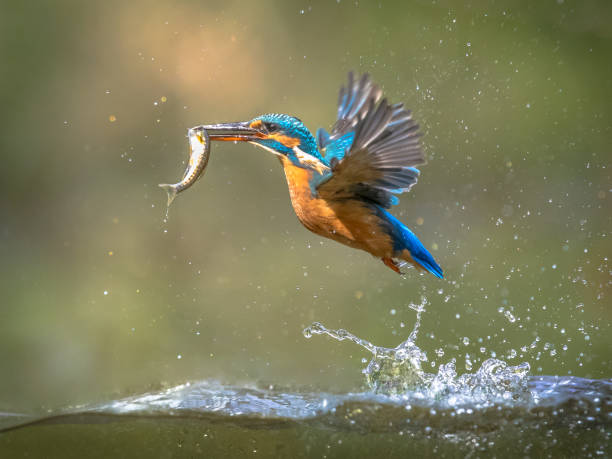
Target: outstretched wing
x=372 y=149
x=353 y=103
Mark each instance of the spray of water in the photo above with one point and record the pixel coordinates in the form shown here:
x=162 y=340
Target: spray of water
x=399 y=371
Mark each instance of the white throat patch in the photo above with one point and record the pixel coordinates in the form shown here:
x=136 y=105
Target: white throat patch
x=310 y=161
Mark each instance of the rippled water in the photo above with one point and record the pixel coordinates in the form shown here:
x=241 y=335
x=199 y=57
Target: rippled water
x=564 y=416
x=498 y=410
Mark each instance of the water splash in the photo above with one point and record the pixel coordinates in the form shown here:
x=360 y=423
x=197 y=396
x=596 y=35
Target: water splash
x=398 y=371
x=391 y=370
x=484 y=413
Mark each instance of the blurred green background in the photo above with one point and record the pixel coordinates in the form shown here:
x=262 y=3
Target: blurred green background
x=101 y=298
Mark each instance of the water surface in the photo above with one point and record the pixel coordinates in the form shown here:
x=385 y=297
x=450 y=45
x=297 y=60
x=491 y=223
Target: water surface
x=563 y=417
x=497 y=410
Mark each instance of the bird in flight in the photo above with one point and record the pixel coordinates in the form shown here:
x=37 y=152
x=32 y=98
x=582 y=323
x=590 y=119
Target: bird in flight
x=342 y=183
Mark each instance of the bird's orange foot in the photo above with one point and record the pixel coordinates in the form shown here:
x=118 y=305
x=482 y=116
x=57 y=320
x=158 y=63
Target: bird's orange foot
x=391 y=264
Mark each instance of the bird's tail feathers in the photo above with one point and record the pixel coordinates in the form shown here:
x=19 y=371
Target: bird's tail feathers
x=427 y=262
x=412 y=250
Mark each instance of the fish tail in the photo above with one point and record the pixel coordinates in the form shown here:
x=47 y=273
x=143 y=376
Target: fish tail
x=171 y=190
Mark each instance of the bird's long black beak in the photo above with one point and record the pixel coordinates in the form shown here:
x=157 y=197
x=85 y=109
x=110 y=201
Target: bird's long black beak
x=232 y=131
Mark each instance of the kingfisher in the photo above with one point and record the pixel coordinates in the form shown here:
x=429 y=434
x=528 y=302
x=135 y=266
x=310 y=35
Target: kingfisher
x=342 y=182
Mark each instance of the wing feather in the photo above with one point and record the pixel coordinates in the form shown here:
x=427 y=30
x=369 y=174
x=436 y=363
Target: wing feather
x=354 y=102
x=384 y=150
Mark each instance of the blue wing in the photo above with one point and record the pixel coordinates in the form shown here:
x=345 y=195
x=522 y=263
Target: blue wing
x=372 y=149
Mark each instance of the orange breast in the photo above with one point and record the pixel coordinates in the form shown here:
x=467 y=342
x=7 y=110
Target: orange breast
x=348 y=221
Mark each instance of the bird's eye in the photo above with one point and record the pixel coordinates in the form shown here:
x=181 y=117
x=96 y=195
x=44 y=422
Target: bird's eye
x=270 y=127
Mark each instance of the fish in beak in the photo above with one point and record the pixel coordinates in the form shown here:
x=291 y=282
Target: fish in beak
x=241 y=131
x=199 y=150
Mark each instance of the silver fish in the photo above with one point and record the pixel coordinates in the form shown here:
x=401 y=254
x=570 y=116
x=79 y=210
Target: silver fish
x=199 y=152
